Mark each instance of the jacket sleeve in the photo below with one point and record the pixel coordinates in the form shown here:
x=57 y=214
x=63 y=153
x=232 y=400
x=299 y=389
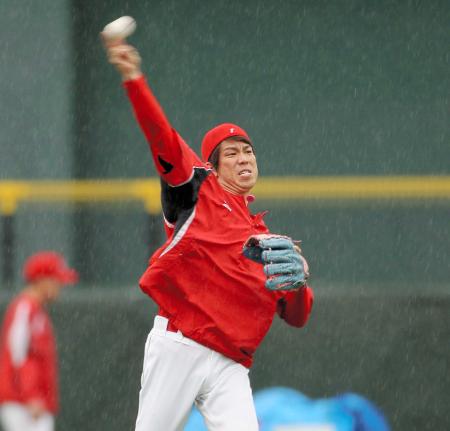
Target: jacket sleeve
x=295 y=307
x=173 y=158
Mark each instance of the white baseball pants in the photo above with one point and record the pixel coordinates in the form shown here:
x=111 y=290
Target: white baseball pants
x=179 y=372
x=16 y=417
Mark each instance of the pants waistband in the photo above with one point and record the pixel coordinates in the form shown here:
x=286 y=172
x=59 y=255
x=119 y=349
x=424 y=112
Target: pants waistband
x=161 y=323
x=160 y=327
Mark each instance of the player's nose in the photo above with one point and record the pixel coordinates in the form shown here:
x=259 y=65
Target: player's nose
x=243 y=157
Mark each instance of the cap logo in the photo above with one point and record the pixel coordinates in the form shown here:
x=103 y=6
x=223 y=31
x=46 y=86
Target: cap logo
x=232 y=130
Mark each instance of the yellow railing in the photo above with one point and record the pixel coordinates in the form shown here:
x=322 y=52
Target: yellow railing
x=354 y=187
x=12 y=193
x=147 y=191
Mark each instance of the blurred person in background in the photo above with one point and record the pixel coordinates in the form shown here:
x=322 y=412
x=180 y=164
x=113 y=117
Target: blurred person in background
x=28 y=358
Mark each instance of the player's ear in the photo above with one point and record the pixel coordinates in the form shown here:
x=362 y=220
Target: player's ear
x=211 y=166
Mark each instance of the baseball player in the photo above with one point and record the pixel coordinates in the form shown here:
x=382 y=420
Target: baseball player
x=28 y=362
x=218 y=279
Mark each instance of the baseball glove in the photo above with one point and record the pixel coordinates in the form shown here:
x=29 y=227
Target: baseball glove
x=284 y=266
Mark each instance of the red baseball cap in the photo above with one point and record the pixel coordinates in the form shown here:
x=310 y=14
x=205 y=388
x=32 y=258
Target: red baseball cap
x=218 y=134
x=48 y=264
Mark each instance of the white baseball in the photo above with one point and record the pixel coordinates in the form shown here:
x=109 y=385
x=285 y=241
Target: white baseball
x=121 y=28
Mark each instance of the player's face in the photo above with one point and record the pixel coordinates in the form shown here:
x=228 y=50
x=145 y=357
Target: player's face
x=237 y=171
x=52 y=289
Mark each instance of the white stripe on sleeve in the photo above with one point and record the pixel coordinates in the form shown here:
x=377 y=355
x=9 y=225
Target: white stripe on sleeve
x=179 y=234
x=19 y=334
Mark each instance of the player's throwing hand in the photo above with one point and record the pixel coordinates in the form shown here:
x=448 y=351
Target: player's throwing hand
x=125 y=58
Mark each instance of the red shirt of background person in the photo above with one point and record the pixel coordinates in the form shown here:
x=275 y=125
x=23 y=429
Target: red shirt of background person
x=28 y=359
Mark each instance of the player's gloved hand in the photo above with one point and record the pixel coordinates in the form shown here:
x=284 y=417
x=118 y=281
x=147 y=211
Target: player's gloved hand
x=285 y=267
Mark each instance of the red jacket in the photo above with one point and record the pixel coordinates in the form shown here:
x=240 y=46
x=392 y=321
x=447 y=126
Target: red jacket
x=199 y=277
x=28 y=360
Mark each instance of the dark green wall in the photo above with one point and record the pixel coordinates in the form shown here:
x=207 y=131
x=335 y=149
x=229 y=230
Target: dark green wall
x=392 y=349
x=349 y=87
x=36 y=114
x=36 y=89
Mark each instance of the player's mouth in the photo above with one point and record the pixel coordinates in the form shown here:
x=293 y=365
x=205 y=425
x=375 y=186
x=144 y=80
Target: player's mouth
x=245 y=173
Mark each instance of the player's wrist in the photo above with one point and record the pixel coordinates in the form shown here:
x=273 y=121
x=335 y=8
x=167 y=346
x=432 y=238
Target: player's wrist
x=131 y=76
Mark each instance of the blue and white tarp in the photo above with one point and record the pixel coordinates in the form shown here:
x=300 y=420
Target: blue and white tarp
x=285 y=409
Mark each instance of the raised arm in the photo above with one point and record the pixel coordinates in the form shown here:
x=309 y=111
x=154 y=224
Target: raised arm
x=173 y=158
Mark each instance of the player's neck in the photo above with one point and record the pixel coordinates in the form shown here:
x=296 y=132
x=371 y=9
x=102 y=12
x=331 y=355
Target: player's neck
x=235 y=190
